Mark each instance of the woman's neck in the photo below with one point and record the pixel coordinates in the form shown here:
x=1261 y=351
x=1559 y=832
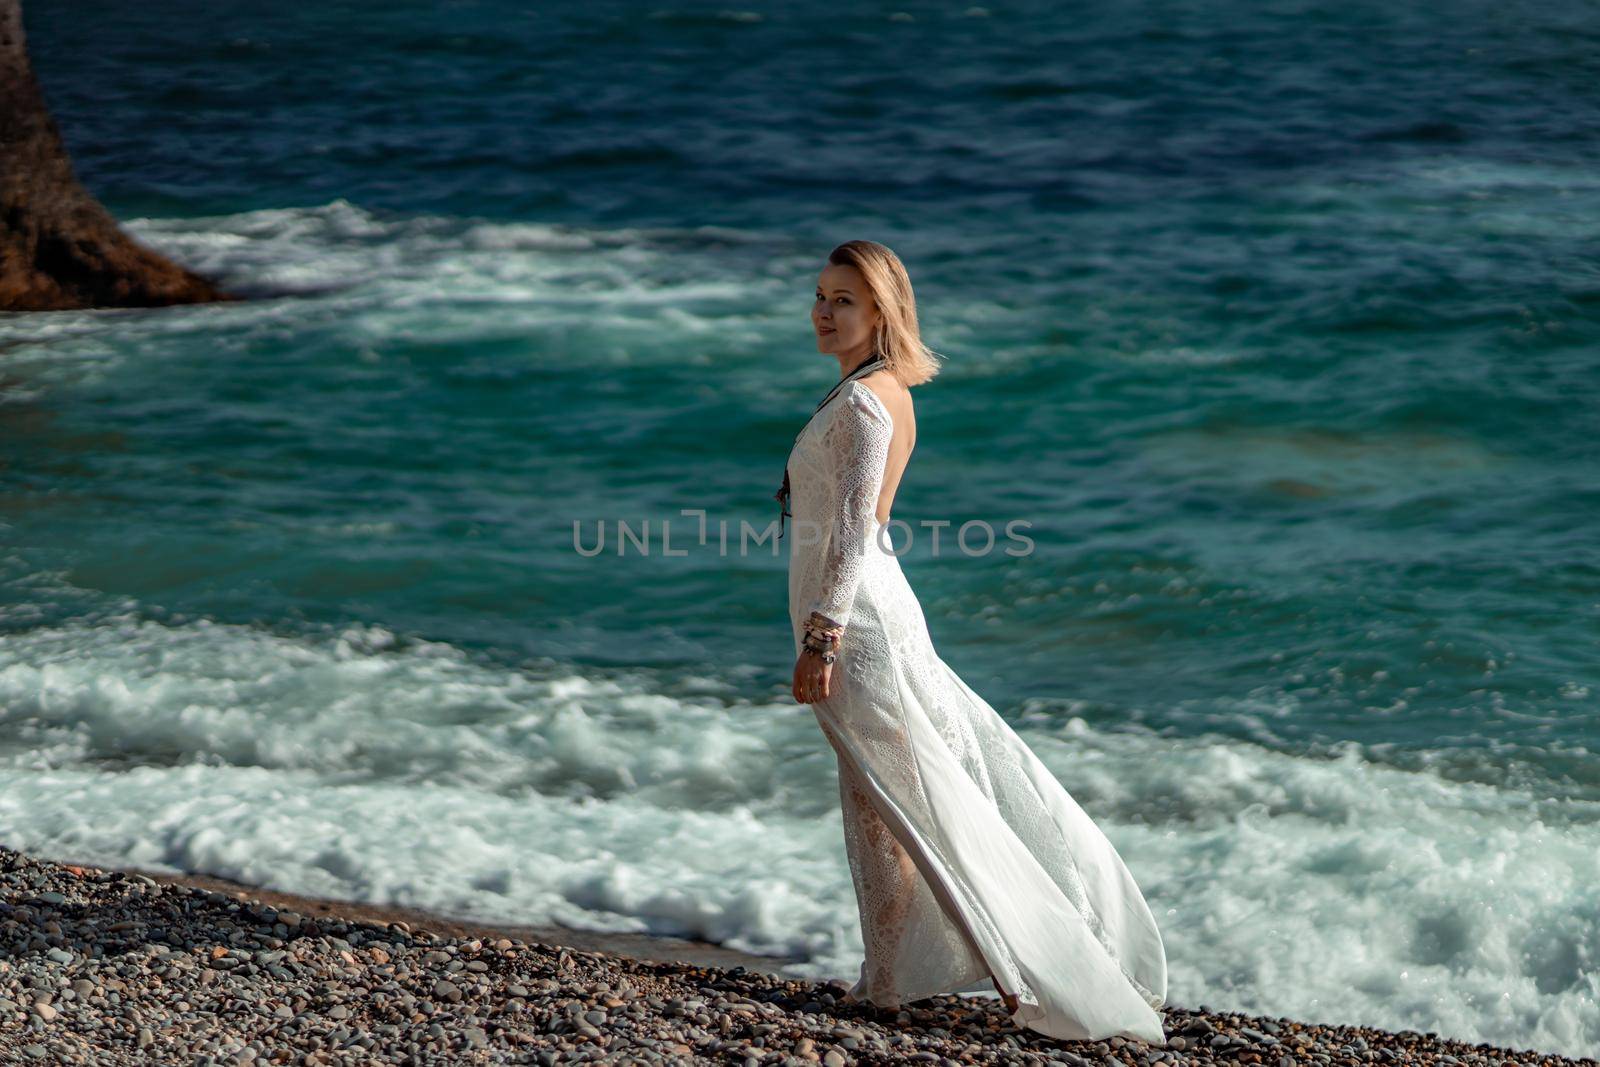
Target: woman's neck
x=849 y=367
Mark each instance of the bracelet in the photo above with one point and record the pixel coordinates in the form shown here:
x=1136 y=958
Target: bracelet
x=823 y=637
x=816 y=644
x=824 y=627
x=820 y=642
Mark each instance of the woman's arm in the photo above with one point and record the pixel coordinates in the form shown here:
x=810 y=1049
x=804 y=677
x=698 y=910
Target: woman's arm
x=857 y=446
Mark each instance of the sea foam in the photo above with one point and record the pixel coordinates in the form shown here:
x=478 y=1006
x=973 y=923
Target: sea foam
x=355 y=764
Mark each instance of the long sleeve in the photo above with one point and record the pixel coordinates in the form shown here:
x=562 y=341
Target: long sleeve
x=856 y=443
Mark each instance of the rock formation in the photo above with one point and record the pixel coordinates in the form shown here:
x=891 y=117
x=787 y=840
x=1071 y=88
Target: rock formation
x=59 y=248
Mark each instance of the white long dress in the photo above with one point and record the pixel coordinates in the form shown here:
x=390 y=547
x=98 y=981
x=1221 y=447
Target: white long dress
x=969 y=858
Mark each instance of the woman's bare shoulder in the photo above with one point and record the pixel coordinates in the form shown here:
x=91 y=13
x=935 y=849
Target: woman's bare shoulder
x=895 y=396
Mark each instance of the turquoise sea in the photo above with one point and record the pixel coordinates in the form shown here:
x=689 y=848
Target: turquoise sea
x=1279 y=323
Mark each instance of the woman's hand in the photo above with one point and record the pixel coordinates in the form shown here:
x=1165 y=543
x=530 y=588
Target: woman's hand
x=813 y=679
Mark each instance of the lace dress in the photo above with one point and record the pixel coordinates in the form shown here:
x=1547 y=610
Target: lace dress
x=969 y=858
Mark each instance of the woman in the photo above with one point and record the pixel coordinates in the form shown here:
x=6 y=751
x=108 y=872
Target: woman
x=970 y=860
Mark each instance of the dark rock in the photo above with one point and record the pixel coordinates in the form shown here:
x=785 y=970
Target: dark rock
x=59 y=248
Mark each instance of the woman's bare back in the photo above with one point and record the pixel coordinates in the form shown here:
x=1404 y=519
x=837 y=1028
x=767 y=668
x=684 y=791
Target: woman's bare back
x=897 y=399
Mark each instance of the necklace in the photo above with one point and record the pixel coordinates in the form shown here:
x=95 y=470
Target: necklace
x=876 y=362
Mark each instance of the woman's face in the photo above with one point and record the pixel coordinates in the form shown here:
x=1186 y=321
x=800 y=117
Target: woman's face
x=843 y=313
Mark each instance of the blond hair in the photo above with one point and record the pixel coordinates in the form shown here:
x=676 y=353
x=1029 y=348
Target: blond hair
x=897 y=338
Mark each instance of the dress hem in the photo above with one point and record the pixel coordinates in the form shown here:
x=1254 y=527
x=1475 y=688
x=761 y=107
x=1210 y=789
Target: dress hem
x=909 y=840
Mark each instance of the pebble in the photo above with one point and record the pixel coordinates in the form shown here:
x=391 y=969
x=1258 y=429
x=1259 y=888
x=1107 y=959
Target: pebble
x=101 y=967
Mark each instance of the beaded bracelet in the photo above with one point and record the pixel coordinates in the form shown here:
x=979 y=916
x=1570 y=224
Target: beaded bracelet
x=820 y=645
x=823 y=637
x=820 y=624
x=820 y=642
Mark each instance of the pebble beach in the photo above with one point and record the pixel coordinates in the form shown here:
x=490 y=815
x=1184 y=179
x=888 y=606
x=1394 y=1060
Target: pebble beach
x=106 y=966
